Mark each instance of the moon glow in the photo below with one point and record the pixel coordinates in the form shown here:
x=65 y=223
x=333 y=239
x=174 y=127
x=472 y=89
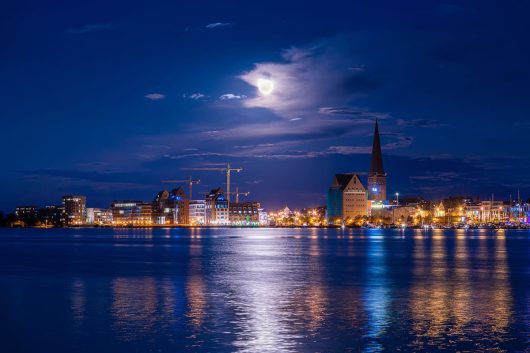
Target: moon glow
x=265 y=86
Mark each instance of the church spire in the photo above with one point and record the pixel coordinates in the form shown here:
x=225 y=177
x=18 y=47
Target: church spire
x=376 y=166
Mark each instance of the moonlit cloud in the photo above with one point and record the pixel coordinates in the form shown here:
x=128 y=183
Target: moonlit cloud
x=399 y=141
x=217 y=25
x=94 y=27
x=195 y=96
x=353 y=112
x=357 y=68
x=231 y=96
x=315 y=110
x=308 y=78
x=442 y=177
x=155 y=96
x=90 y=179
x=210 y=26
x=424 y=123
x=349 y=149
x=286 y=130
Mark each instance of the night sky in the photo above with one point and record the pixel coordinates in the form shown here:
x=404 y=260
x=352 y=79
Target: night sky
x=106 y=98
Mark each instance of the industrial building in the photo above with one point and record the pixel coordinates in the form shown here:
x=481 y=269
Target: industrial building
x=346 y=198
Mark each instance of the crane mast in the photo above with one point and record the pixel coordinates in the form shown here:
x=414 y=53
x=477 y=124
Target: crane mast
x=237 y=193
x=188 y=181
x=228 y=170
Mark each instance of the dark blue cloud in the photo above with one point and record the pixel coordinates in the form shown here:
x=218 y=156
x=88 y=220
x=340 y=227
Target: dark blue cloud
x=94 y=27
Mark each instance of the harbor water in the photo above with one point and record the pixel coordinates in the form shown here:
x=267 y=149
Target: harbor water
x=264 y=290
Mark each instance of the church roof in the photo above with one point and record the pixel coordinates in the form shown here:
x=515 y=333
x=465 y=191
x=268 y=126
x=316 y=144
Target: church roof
x=376 y=166
x=341 y=181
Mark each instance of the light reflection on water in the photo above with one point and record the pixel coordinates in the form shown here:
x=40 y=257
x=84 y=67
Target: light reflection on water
x=258 y=291
x=376 y=293
x=195 y=287
x=460 y=301
x=141 y=305
x=267 y=290
x=78 y=298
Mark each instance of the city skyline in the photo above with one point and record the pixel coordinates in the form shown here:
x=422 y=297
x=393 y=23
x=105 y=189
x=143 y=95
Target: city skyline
x=349 y=203
x=107 y=102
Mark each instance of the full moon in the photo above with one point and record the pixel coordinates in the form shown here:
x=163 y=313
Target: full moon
x=265 y=86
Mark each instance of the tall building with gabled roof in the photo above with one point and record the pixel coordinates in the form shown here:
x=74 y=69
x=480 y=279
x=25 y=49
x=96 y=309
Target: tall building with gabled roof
x=216 y=208
x=346 y=198
x=171 y=207
x=377 y=175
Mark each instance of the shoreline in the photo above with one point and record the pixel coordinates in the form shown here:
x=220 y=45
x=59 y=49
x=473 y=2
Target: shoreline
x=427 y=227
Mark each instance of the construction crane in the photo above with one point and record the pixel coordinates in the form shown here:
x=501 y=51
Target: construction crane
x=228 y=169
x=237 y=193
x=188 y=181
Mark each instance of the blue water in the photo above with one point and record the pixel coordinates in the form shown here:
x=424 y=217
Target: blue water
x=263 y=290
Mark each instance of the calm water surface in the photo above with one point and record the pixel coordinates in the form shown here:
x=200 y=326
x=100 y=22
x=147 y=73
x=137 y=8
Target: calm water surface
x=263 y=290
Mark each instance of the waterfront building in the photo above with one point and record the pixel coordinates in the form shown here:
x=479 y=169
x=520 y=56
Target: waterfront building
x=281 y=218
x=487 y=212
x=26 y=211
x=51 y=215
x=377 y=175
x=244 y=213
x=171 y=207
x=439 y=211
x=472 y=212
x=74 y=209
x=197 y=212
x=26 y=215
x=132 y=213
x=286 y=212
x=402 y=214
x=455 y=215
x=99 y=216
x=493 y=211
x=263 y=217
x=216 y=208
x=347 y=198
x=520 y=213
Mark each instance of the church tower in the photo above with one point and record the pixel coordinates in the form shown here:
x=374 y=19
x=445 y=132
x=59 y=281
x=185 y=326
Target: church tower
x=377 y=175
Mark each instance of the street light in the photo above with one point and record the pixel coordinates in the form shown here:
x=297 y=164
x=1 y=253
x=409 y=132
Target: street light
x=397 y=198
